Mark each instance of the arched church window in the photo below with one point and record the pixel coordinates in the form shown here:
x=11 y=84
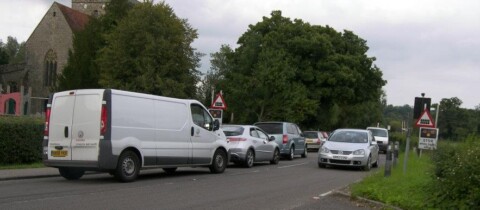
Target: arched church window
x=50 y=73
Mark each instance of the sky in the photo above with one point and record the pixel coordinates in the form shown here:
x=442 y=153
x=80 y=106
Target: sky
x=421 y=46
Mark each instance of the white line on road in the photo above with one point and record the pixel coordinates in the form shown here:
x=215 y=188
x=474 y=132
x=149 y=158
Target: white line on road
x=287 y=166
x=325 y=194
x=249 y=172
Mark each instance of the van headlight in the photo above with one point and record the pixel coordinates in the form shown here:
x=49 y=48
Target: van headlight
x=359 y=152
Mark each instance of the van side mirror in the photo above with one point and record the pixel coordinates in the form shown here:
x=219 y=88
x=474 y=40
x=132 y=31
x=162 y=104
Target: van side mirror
x=216 y=125
x=271 y=138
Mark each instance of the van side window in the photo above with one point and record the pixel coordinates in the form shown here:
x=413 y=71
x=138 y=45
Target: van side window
x=201 y=117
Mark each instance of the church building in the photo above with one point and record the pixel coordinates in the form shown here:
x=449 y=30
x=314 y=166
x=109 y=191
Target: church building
x=47 y=50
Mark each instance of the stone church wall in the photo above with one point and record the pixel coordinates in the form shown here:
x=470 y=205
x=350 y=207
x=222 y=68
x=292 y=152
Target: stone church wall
x=52 y=33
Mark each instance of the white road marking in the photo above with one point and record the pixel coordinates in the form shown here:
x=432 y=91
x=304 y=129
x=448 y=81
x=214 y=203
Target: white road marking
x=325 y=194
x=287 y=166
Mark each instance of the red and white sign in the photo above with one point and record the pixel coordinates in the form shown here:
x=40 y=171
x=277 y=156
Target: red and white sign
x=219 y=103
x=425 y=120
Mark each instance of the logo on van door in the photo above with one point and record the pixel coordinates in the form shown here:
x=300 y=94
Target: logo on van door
x=80 y=134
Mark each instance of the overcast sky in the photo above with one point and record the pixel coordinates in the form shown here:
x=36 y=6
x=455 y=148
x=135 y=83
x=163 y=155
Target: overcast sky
x=429 y=46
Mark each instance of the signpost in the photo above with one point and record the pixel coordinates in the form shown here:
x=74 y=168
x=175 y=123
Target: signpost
x=428 y=138
x=217 y=107
x=425 y=120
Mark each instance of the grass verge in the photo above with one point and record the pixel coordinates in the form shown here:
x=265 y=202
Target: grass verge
x=22 y=166
x=407 y=191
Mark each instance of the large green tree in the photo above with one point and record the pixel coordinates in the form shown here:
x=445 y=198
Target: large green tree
x=454 y=122
x=150 y=51
x=81 y=70
x=313 y=75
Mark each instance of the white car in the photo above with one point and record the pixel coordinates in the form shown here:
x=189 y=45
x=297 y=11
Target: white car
x=249 y=144
x=349 y=147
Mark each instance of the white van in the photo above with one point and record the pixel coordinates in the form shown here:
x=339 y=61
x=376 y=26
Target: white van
x=381 y=136
x=122 y=132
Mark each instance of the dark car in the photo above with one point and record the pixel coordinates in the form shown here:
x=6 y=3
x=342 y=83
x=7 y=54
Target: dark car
x=288 y=136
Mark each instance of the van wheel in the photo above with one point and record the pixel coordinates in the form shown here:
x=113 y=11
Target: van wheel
x=305 y=152
x=249 y=159
x=276 y=157
x=291 y=155
x=127 y=167
x=170 y=170
x=219 y=162
x=71 y=173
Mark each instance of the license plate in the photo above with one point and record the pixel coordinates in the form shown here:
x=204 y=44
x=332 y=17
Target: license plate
x=339 y=157
x=309 y=141
x=59 y=153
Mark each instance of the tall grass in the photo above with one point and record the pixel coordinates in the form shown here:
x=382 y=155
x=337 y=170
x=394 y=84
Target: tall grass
x=407 y=190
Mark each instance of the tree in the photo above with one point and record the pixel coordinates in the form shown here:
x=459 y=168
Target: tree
x=150 y=51
x=81 y=70
x=312 y=75
x=220 y=64
x=454 y=122
x=3 y=54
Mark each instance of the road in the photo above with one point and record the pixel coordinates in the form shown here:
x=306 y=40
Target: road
x=296 y=184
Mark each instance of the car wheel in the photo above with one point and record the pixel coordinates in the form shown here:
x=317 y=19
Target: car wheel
x=219 y=162
x=249 y=159
x=170 y=170
x=276 y=157
x=320 y=165
x=71 y=173
x=305 y=152
x=128 y=167
x=291 y=154
x=368 y=166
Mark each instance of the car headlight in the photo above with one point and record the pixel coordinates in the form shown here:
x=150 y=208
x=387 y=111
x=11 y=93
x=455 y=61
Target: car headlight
x=359 y=152
x=325 y=150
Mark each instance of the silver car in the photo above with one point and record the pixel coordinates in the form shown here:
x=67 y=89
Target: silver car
x=349 y=147
x=249 y=144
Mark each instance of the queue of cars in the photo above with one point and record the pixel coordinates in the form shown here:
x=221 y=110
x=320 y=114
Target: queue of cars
x=123 y=132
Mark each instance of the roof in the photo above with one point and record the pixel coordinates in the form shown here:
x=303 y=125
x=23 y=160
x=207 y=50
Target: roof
x=75 y=19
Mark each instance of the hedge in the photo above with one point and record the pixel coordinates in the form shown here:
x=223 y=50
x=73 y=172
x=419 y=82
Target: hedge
x=456 y=173
x=20 y=139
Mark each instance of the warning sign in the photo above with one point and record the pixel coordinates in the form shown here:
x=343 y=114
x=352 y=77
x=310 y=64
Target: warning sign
x=425 y=120
x=428 y=138
x=219 y=103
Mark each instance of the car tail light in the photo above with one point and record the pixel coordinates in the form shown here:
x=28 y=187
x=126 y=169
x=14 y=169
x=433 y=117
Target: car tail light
x=47 y=120
x=285 y=139
x=103 y=120
x=319 y=141
x=236 y=139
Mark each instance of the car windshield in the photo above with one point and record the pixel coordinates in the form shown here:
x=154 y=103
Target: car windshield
x=310 y=135
x=271 y=128
x=349 y=137
x=233 y=130
x=379 y=132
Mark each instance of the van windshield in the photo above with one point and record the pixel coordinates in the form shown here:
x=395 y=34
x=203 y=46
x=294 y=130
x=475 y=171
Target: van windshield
x=271 y=128
x=379 y=132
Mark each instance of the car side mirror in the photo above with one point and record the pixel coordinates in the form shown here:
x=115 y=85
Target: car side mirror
x=216 y=125
x=271 y=138
x=301 y=134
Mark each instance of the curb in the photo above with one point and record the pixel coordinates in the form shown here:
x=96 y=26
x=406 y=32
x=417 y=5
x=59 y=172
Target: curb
x=370 y=203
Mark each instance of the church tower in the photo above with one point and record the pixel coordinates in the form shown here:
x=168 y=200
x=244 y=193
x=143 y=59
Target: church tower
x=93 y=8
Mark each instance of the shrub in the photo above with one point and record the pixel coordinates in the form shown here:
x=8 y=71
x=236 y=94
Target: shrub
x=457 y=175
x=20 y=139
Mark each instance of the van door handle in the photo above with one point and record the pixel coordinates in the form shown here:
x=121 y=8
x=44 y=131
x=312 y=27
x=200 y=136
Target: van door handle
x=192 y=131
x=65 y=131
